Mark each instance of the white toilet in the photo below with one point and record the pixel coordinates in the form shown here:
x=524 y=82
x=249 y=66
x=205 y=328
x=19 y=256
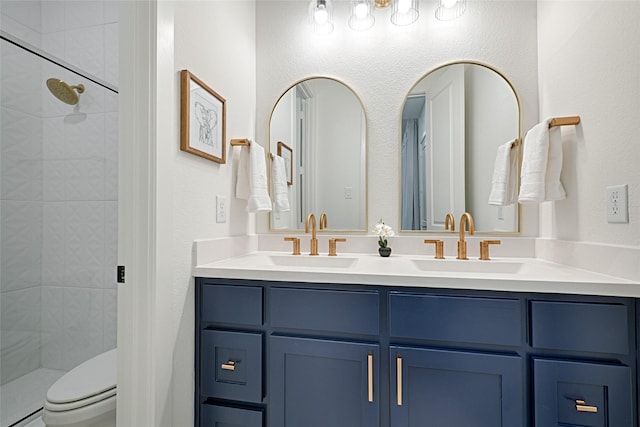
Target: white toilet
x=85 y=396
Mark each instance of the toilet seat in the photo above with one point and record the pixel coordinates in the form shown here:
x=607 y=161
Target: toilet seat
x=84 y=396
x=59 y=407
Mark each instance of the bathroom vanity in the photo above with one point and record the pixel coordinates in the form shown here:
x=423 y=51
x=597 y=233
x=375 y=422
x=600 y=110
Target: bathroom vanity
x=276 y=348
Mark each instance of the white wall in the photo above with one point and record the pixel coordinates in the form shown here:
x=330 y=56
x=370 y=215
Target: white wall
x=216 y=42
x=589 y=62
x=381 y=66
x=589 y=67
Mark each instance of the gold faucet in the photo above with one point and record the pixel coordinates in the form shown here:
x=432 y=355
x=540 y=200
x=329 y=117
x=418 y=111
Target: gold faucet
x=462 y=245
x=450 y=221
x=323 y=221
x=311 y=218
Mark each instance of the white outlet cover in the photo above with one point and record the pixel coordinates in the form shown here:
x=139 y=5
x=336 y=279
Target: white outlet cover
x=617 y=204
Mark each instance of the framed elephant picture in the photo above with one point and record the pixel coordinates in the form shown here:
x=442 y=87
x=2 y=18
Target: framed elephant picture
x=202 y=119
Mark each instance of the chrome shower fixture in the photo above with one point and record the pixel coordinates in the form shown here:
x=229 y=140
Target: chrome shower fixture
x=64 y=92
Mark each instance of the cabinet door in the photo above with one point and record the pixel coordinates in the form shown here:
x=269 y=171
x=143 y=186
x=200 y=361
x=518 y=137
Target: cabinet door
x=321 y=383
x=442 y=388
x=222 y=416
x=569 y=393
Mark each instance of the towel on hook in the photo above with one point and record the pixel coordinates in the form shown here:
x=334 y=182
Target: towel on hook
x=504 y=183
x=541 y=165
x=279 y=188
x=242 y=183
x=554 y=190
x=259 y=199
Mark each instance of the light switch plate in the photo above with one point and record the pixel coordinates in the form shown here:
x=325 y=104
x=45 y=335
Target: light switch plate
x=221 y=209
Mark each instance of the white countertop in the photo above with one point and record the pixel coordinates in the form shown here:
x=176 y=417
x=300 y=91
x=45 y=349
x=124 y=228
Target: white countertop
x=497 y=274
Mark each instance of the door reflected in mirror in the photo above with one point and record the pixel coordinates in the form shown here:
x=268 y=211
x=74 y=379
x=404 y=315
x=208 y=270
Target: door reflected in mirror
x=453 y=121
x=323 y=124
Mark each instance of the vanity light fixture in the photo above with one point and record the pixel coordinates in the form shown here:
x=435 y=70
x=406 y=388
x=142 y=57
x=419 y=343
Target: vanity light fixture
x=321 y=16
x=450 y=9
x=361 y=17
x=404 y=12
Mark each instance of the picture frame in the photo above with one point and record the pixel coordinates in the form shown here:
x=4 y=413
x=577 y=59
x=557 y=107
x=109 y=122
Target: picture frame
x=203 y=116
x=286 y=153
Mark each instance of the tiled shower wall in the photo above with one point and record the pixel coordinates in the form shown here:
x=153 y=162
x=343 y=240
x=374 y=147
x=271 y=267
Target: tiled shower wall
x=59 y=187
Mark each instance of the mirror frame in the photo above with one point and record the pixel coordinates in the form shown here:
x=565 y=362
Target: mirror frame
x=519 y=137
x=364 y=230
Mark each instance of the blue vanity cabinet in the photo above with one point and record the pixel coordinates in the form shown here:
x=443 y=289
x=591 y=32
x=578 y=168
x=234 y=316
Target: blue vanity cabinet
x=283 y=354
x=573 y=393
x=583 y=363
x=444 y=388
x=320 y=383
x=225 y=416
x=480 y=385
x=229 y=357
x=324 y=357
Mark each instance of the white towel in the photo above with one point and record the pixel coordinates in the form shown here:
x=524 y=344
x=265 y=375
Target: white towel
x=258 y=194
x=242 y=183
x=279 y=188
x=554 y=190
x=504 y=183
x=541 y=165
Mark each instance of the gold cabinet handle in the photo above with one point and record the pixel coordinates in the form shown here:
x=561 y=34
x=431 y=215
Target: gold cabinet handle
x=229 y=366
x=399 y=379
x=581 y=406
x=370 y=376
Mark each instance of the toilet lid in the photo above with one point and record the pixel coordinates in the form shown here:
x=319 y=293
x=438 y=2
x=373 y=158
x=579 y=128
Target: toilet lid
x=93 y=377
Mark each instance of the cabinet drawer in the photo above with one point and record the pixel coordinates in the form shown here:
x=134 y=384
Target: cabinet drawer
x=356 y=312
x=459 y=319
x=232 y=304
x=571 y=393
x=591 y=327
x=223 y=416
x=231 y=365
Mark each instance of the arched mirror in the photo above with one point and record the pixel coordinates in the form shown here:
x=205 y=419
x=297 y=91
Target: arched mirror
x=453 y=121
x=319 y=127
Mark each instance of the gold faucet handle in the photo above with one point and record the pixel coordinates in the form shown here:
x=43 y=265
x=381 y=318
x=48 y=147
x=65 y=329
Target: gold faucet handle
x=332 y=245
x=296 y=244
x=439 y=247
x=484 y=248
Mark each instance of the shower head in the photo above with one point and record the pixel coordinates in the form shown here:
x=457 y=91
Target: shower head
x=63 y=91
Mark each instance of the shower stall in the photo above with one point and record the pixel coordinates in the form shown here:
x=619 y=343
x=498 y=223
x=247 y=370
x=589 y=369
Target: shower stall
x=58 y=188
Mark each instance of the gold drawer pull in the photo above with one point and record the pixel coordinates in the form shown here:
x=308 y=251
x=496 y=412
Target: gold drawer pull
x=581 y=406
x=370 y=376
x=229 y=366
x=399 y=379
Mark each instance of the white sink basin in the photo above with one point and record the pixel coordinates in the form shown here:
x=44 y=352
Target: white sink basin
x=468 y=266
x=313 y=261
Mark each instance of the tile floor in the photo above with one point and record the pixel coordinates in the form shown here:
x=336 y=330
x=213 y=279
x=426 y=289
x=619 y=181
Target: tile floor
x=26 y=395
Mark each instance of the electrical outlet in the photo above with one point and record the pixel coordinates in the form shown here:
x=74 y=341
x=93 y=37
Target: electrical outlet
x=221 y=209
x=617 y=204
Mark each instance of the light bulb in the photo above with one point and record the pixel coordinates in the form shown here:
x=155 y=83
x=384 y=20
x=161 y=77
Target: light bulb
x=404 y=6
x=321 y=16
x=362 y=10
x=449 y=3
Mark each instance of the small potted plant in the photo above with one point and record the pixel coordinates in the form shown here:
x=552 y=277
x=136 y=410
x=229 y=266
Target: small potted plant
x=383 y=231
